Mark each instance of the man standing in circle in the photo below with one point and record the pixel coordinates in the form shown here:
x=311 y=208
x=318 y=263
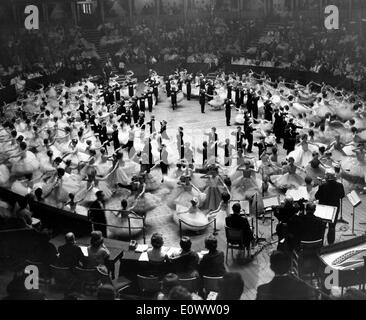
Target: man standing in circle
x=202 y=100
x=228 y=105
x=330 y=193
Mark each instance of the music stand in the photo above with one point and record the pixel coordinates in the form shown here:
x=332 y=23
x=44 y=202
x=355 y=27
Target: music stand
x=268 y=204
x=355 y=201
x=341 y=220
x=257 y=238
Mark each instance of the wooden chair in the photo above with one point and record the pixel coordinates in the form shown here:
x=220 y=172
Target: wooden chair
x=234 y=240
x=211 y=284
x=148 y=285
x=191 y=284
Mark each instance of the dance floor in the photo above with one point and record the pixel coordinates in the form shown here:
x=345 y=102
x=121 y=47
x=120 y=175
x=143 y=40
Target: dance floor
x=254 y=272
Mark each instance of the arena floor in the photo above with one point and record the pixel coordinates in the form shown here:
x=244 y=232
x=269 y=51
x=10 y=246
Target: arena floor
x=254 y=272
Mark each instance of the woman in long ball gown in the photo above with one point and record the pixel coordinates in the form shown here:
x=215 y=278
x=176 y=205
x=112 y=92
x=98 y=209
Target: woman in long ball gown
x=248 y=179
x=354 y=169
x=290 y=179
x=315 y=169
x=117 y=175
x=142 y=201
x=90 y=185
x=184 y=192
x=221 y=212
x=24 y=162
x=131 y=223
x=303 y=153
x=213 y=191
x=193 y=219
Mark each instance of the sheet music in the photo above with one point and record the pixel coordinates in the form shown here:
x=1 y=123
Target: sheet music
x=298 y=194
x=327 y=213
x=141 y=248
x=269 y=202
x=84 y=249
x=354 y=198
x=144 y=257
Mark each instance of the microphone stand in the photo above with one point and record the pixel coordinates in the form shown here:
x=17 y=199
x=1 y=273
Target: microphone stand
x=257 y=238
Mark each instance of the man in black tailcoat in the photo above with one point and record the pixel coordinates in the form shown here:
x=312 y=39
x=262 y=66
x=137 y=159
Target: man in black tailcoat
x=96 y=213
x=228 y=106
x=202 y=100
x=189 y=87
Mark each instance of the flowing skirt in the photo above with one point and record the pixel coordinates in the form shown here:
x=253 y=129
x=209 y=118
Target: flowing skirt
x=213 y=198
x=146 y=203
x=287 y=181
x=191 y=221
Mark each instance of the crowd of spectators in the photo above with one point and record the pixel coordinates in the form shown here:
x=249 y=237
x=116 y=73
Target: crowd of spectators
x=304 y=46
x=29 y=54
x=202 y=40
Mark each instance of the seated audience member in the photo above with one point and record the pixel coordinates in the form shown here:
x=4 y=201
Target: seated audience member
x=231 y=286
x=186 y=264
x=70 y=254
x=179 y=293
x=98 y=254
x=156 y=254
x=236 y=221
x=283 y=286
x=106 y=292
x=212 y=263
x=170 y=281
x=45 y=251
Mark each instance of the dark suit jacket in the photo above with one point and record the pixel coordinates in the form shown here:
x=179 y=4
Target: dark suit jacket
x=212 y=264
x=70 y=256
x=186 y=263
x=330 y=193
x=236 y=221
x=97 y=215
x=284 y=288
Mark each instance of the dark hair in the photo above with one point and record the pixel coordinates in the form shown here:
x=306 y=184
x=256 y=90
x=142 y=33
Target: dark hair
x=124 y=203
x=170 y=281
x=211 y=243
x=225 y=197
x=179 y=293
x=157 y=240
x=38 y=192
x=236 y=208
x=280 y=262
x=231 y=286
x=185 y=243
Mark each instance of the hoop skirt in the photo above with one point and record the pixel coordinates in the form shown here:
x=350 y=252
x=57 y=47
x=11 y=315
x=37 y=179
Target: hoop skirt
x=28 y=164
x=152 y=181
x=302 y=157
x=287 y=181
x=183 y=195
x=122 y=221
x=146 y=203
x=196 y=221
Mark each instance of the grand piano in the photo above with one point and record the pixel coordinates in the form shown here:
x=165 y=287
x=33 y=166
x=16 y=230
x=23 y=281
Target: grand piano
x=348 y=259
